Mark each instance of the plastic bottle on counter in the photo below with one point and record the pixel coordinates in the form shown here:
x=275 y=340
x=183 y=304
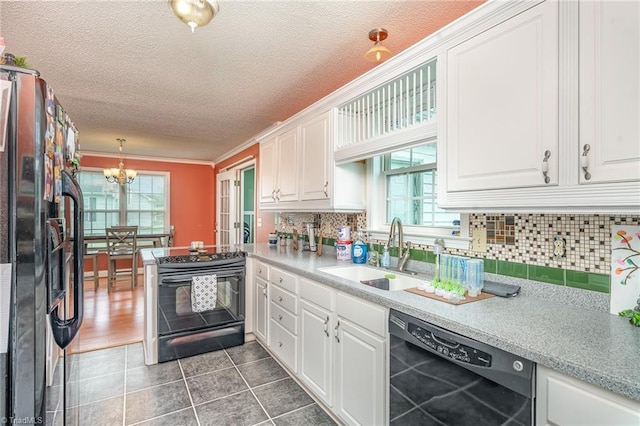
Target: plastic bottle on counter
x=359 y=254
x=386 y=260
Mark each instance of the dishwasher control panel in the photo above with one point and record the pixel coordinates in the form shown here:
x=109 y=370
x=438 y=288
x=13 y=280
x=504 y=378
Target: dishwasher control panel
x=450 y=349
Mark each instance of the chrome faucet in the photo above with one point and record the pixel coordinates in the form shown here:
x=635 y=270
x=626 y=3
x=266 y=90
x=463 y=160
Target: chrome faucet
x=403 y=255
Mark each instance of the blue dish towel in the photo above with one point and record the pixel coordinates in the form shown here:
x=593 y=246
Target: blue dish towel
x=204 y=290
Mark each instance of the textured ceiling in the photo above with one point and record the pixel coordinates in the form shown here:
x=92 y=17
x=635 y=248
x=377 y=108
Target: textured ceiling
x=131 y=69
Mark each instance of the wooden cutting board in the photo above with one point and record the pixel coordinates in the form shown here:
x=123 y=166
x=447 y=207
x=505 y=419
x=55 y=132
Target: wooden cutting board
x=467 y=299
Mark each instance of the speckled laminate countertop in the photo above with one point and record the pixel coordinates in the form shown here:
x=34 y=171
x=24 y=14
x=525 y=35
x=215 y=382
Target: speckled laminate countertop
x=587 y=343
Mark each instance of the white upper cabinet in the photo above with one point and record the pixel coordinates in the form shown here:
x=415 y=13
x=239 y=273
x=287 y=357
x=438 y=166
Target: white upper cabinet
x=287 y=166
x=502 y=109
x=315 y=146
x=279 y=167
x=268 y=152
x=609 y=91
x=542 y=109
x=298 y=172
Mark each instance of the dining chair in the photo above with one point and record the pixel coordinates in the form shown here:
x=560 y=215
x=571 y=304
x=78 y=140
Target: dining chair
x=122 y=243
x=92 y=253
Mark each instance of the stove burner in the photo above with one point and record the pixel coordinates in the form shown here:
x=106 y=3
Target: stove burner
x=197 y=257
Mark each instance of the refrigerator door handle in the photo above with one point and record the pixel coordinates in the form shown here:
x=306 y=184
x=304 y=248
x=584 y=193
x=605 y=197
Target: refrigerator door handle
x=65 y=330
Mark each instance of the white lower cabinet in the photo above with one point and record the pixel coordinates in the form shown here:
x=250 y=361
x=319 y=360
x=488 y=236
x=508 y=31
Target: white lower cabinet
x=359 y=375
x=316 y=350
x=343 y=341
x=562 y=400
x=261 y=296
x=260 y=274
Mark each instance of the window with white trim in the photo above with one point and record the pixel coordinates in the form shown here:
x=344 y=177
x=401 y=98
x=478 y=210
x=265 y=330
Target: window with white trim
x=143 y=203
x=411 y=188
x=404 y=184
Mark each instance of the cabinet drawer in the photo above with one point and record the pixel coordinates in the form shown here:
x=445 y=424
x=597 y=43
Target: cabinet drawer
x=365 y=314
x=262 y=270
x=317 y=293
x=283 y=298
x=284 y=318
x=284 y=280
x=284 y=345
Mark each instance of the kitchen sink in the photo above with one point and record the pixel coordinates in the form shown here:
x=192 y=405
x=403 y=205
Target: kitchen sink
x=364 y=273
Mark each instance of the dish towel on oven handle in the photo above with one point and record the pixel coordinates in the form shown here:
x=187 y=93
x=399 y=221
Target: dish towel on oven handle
x=204 y=290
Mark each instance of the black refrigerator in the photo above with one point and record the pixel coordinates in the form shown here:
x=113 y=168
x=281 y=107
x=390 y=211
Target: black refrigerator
x=41 y=245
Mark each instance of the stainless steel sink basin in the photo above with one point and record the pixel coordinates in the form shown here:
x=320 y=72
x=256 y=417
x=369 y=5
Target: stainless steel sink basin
x=363 y=273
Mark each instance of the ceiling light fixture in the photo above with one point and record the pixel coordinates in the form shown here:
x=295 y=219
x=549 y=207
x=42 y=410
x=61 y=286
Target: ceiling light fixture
x=378 y=52
x=120 y=175
x=195 y=13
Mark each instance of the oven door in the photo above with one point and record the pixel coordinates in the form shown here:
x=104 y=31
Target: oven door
x=184 y=332
x=175 y=313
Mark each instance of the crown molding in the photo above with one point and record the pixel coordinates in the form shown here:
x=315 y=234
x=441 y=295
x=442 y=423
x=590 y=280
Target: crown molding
x=145 y=158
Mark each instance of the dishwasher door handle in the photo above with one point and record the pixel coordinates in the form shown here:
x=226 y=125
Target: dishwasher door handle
x=442 y=341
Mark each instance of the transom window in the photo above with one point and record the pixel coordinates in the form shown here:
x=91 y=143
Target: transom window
x=143 y=203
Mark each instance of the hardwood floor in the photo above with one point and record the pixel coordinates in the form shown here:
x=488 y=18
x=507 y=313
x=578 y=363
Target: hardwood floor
x=111 y=319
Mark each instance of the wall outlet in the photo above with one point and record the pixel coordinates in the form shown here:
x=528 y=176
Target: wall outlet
x=259 y=222
x=559 y=247
x=479 y=240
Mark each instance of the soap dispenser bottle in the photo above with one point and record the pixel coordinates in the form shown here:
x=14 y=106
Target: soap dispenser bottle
x=359 y=250
x=385 y=261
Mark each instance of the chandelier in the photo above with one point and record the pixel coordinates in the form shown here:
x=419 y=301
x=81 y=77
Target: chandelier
x=120 y=175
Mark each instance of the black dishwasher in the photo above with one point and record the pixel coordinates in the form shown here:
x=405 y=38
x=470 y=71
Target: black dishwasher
x=442 y=378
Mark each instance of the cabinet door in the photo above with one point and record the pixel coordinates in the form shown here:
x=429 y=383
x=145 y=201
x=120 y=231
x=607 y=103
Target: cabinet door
x=287 y=166
x=314 y=164
x=562 y=401
x=502 y=104
x=262 y=315
x=610 y=90
x=267 y=171
x=359 y=375
x=316 y=358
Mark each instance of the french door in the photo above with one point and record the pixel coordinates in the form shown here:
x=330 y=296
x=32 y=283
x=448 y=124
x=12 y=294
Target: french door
x=227 y=223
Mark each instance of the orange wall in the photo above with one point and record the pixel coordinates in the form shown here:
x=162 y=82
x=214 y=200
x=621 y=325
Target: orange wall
x=262 y=232
x=192 y=195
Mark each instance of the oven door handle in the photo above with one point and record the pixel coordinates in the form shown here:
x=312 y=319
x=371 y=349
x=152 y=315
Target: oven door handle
x=185 y=279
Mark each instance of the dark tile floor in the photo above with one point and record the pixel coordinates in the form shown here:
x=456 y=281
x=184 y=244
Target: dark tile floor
x=242 y=385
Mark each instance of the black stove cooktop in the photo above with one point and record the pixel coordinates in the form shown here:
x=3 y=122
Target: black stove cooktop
x=197 y=257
